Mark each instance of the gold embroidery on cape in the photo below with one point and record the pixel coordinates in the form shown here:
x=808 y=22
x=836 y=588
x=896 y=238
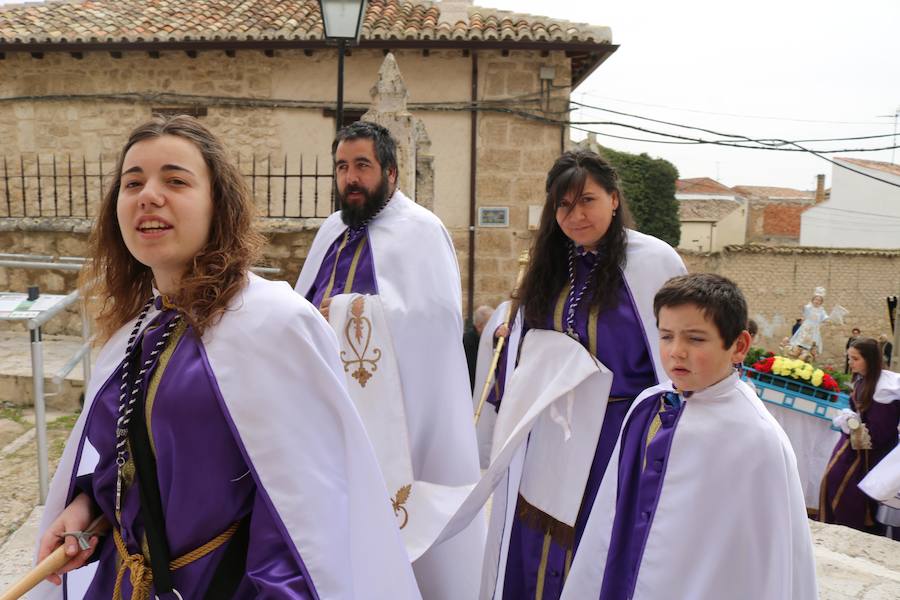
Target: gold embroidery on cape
x=334 y=267
x=850 y=472
x=593 y=315
x=399 y=500
x=558 y=317
x=655 y=425
x=823 y=488
x=157 y=375
x=354 y=263
x=128 y=470
x=542 y=567
x=358 y=333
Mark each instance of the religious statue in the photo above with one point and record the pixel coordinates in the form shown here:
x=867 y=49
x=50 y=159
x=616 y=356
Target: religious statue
x=806 y=343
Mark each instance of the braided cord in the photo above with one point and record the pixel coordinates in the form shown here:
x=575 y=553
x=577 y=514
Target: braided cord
x=575 y=298
x=130 y=391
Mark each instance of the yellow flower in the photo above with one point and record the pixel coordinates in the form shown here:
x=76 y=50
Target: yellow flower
x=817 y=377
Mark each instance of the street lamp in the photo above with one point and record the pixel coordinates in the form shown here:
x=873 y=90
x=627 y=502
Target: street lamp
x=343 y=21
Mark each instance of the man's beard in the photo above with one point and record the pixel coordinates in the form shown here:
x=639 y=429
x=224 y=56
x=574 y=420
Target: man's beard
x=355 y=215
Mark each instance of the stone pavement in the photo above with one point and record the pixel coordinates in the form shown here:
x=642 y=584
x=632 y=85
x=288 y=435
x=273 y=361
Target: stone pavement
x=851 y=565
x=15 y=369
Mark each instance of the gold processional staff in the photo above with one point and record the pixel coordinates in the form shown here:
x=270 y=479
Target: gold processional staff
x=511 y=310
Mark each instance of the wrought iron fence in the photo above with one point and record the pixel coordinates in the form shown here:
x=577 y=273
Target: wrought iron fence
x=67 y=186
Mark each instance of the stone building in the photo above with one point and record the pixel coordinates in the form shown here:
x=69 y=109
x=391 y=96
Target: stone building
x=486 y=88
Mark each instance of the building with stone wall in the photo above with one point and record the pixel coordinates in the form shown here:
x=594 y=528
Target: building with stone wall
x=779 y=280
x=485 y=86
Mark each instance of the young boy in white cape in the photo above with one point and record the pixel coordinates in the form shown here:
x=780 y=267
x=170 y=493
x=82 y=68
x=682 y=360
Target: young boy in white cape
x=701 y=499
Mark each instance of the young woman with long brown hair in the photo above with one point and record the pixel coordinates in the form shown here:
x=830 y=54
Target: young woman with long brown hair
x=868 y=434
x=217 y=438
x=593 y=279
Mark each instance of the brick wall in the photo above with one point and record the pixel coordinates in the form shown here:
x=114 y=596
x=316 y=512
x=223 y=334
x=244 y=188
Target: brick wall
x=782 y=220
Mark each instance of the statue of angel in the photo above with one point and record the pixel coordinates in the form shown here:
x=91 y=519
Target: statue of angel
x=809 y=336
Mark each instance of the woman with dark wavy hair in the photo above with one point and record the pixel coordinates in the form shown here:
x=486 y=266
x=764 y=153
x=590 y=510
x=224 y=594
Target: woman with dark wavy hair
x=591 y=280
x=217 y=440
x=868 y=434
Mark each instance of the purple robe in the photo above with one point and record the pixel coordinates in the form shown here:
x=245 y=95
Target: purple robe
x=205 y=481
x=841 y=501
x=347 y=267
x=645 y=445
x=619 y=342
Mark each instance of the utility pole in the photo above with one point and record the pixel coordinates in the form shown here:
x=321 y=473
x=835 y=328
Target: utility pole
x=894 y=116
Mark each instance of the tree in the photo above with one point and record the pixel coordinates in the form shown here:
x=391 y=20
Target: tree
x=649 y=188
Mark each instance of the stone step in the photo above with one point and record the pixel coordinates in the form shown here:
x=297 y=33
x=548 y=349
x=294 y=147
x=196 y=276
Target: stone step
x=15 y=370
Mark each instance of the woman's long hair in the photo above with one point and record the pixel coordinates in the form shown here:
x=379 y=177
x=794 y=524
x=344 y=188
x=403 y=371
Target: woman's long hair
x=121 y=285
x=864 y=390
x=547 y=270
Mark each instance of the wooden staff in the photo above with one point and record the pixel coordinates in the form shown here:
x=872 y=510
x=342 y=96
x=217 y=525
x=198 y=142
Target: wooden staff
x=510 y=315
x=52 y=564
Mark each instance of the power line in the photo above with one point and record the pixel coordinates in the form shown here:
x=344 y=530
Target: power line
x=727 y=135
x=859 y=212
x=724 y=114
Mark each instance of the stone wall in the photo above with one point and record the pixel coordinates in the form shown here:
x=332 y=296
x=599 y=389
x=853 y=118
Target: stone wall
x=60 y=105
x=289 y=243
x=779 y=281
x=64 y=238
x=514 y=155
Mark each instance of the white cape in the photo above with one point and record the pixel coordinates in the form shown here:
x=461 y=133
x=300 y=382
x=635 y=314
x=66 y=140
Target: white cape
x=422 y=508
x=418 y=281
x=485 y=427
x=731 y=521
x=650 y=262
x=272 y=354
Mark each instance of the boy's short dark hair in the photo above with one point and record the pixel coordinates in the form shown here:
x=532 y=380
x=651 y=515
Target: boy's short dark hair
x=385 y=145
x=719 y=298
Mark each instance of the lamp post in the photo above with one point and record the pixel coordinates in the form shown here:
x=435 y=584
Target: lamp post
x=342 y=20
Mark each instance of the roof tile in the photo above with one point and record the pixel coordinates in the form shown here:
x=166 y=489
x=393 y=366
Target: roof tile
x=877 y=165
x=706 y=210
x=702 y=185
x=257 y=20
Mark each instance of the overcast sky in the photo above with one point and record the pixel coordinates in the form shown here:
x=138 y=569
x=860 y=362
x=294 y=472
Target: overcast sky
x=815 y=69
x=786 y=69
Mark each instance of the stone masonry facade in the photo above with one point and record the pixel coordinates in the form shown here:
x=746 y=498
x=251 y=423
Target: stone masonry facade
x=62 y=106
x=514 y=155
x=778 y=281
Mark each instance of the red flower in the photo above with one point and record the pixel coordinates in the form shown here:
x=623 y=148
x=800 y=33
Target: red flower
x=764 y=365
x=829 y=383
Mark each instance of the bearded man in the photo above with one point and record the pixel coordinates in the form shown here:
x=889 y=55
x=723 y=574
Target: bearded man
x=383 y=271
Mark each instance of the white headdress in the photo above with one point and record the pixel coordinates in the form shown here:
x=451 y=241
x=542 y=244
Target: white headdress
x=819 y=291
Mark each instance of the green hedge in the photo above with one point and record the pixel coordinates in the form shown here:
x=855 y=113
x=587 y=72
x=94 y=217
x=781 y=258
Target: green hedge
x=649 y=187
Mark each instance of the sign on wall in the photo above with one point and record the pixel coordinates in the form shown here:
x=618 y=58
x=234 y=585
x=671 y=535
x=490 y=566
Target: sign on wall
x=493 y=216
